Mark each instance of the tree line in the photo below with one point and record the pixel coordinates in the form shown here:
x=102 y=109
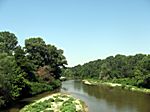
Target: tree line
x=129 y=70
x=28 y=70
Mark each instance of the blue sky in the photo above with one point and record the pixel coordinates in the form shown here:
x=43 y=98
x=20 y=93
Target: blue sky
x=85 y=29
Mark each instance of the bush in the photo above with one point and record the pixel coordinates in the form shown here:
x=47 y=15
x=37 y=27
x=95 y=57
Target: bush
x=55 y=84
x=37 y=107
x=125 y=81
x=2 y=101
x=39 y=87
x=68 y=106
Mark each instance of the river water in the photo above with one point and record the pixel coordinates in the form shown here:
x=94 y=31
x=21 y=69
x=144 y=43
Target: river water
x=107 y=99
x=97 y=98
x=16 y=106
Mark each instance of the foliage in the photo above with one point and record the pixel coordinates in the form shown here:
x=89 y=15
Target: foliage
x=19 y=67
x=55 y=84
x=56 y=102
x=25 y=64
x=8 y=78
x=39 y=87
x=68 y=106
x=37 y=107
x=41 y=54
x=128 y=70
x=8 y=42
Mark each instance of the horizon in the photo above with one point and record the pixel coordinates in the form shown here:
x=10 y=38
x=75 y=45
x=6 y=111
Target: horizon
x=86 y=30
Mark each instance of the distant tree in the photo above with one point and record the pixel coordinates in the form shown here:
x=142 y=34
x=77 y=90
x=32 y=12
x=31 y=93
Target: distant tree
x=131 y=70
x=144 y=67
x=105 y=71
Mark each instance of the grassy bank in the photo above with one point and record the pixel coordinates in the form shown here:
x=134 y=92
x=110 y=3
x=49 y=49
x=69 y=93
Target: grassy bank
x=58 y=102
x=111 y=84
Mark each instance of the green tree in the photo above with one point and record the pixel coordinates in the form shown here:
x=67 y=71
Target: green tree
x=45 y=55
x=35 y=49
x=9 y=78
x=144 y=67
x=19 y=67
x=8 y=42
x=25 y=64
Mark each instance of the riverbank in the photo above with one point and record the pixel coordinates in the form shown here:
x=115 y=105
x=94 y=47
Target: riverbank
x=58 y=102
x=63 y=78
x=127 y=87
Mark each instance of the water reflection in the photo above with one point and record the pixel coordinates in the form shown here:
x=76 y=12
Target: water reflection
x=106 y=99
x=21 y=103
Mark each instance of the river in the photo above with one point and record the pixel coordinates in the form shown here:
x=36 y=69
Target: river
x=107 y=99
x=97 y=98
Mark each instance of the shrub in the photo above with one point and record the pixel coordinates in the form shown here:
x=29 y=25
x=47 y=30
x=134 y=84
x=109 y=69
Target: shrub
x=39 y=87
x=58 y=100
x=2 y=101
x=68 y=106
x=37 y=107
x=55 y=84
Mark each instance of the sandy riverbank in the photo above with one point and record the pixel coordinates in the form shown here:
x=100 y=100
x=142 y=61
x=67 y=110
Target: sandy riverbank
x=127 y=87
x=58 y=102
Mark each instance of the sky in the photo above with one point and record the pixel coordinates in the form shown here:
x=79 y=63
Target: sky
x=85 y=29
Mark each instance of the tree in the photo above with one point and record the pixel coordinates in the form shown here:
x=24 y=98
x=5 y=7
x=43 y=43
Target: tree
x=144 y=67
x=29 y=70
x=9 y=78
x=35 y=49
x=8 y=42
x=25 y=64
x=131 y=70
x=45 y=55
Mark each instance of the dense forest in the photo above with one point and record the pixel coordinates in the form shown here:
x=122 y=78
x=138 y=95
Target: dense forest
x=28 y=70
x=128 y=70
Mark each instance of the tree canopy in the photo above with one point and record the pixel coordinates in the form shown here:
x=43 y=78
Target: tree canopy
x=28 y=70
x=8 y=42
x=132 y=70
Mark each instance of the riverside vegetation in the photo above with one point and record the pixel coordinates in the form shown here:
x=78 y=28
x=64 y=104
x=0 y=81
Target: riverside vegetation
x=129 y=72
x=116 y=85
x=58 y=102
x=28 y=70
x=37 y=67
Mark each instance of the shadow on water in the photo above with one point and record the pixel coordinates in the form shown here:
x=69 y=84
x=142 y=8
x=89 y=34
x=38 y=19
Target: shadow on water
x=107 y=99
x=21 y=103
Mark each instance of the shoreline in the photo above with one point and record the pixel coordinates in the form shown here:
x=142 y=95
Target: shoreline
x=57 y=102
x=114 y=85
